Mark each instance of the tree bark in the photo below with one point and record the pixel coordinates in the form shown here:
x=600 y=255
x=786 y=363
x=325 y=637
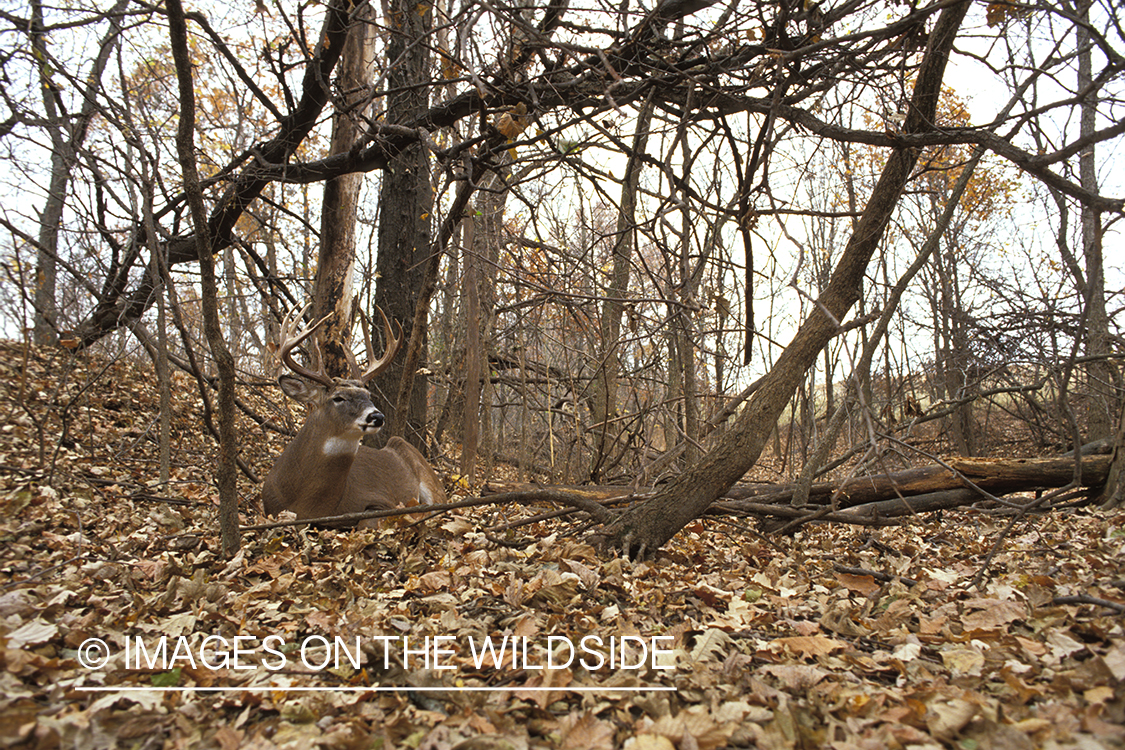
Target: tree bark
x=645 y=527
x=1113 y=494
x=953 y=357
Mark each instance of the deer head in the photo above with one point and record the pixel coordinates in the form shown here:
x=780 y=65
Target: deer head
x=326 y=471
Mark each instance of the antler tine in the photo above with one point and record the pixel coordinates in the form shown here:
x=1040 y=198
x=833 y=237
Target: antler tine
x=377 y=366
x=291 y=338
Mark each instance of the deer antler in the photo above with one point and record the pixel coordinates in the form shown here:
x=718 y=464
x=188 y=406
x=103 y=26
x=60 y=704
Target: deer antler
x=291 y=338
x=377 y=366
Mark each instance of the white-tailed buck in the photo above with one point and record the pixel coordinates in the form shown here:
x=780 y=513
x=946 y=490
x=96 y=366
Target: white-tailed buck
x=325 y=471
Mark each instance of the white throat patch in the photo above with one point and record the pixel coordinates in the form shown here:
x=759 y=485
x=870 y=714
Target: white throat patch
x=341 y=446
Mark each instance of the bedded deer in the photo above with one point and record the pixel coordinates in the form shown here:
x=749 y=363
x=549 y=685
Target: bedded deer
x=326 y=471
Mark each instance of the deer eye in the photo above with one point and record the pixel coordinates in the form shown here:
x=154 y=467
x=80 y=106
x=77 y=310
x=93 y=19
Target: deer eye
x=338 y=399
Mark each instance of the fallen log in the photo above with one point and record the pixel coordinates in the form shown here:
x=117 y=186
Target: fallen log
x=872 y=499
x=999 y=476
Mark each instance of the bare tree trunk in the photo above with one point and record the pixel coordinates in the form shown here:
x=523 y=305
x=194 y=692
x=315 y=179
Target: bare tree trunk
x=1105 y=407
x=470 y=426
x=485 y=243
x=164 y=377
x=405 y=207
x=603 y=400
x=685 y=337
x=272 y=323
x=163 y=370
x=336 y=263
x=646 y=526
x=953 y=353
x=185 y=147
x=1103 y=402
x=411 y=361
x=673 y=388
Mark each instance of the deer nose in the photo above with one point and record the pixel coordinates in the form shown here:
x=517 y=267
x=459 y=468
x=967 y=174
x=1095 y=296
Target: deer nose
x=375 y=420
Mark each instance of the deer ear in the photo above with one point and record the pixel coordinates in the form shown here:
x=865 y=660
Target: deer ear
x=299 y=389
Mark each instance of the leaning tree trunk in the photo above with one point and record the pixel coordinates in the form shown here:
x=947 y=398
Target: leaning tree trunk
x=646 y=526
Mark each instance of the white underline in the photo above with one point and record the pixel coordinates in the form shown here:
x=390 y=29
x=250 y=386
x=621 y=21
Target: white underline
x=405 y=688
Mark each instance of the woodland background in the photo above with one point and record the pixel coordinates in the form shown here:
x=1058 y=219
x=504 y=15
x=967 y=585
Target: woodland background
x=649 y=245
x=599 y=226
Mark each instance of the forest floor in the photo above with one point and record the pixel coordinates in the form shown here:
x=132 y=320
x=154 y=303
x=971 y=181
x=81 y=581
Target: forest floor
x=727 y=639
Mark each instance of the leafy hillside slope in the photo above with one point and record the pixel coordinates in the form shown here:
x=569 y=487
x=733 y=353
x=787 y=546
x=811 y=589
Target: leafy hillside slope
x=837 y=637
